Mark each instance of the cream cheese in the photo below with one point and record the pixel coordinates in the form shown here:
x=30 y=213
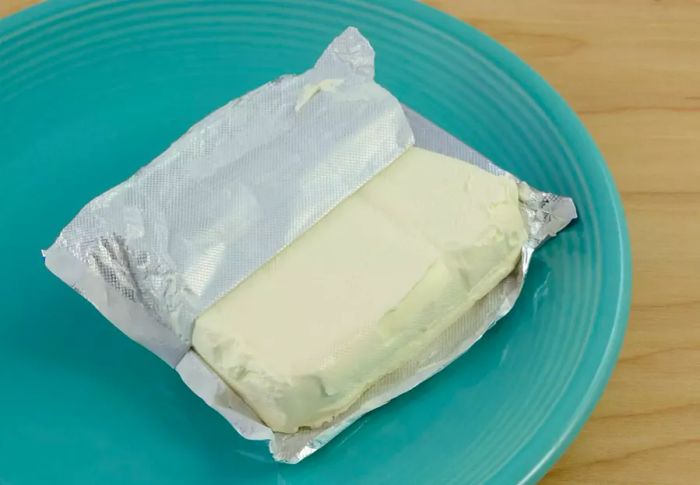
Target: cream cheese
x=364 y=290
x=310 y=90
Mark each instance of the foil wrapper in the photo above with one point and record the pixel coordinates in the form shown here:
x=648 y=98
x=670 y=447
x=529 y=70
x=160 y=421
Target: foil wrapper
x=157 y=250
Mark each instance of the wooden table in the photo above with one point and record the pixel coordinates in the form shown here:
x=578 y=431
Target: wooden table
x=631 y=69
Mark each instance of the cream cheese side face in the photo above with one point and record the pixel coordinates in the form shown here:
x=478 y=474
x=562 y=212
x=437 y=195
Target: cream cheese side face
x=364 y=290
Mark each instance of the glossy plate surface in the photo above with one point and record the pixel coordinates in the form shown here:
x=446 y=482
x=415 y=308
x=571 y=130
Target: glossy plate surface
x=91 y=91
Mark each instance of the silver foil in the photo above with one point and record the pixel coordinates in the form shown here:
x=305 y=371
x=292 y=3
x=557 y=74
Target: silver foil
x=157 y=250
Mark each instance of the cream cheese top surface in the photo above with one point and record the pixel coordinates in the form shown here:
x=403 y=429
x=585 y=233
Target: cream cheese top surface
x=364 y=290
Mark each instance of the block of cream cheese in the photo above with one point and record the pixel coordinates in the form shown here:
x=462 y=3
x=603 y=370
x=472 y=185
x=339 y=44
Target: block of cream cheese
x=364 y=290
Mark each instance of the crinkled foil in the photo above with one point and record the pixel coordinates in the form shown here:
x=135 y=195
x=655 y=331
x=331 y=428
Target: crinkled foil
x=157 y=250
x=228 y=195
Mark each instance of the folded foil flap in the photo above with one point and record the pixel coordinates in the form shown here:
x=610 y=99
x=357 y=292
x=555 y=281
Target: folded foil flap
x=232 y=192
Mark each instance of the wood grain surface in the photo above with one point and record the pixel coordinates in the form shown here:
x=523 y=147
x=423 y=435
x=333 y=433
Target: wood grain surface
x=631 y=69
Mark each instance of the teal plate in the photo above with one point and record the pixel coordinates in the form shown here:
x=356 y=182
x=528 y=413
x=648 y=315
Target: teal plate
x=91 y=91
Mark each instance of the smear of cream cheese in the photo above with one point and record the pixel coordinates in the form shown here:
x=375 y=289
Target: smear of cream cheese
x=310 y=90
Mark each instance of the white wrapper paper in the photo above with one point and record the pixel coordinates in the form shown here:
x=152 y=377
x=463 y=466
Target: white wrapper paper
x=157 y=250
